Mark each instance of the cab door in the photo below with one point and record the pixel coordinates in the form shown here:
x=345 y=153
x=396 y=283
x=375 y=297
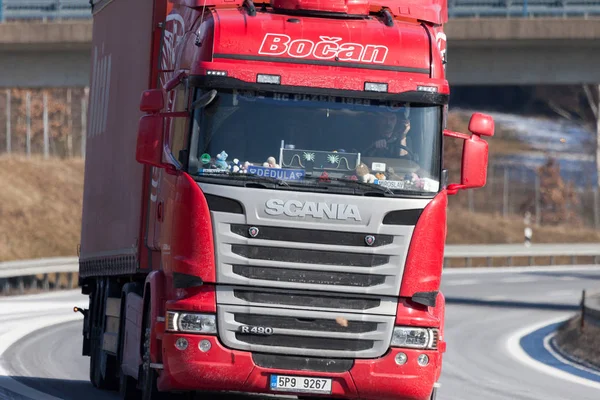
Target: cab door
x=163 y=183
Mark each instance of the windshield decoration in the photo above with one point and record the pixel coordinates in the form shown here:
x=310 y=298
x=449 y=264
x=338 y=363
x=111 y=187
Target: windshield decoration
x=277 y=173
x=322 y=143
x=318 y=161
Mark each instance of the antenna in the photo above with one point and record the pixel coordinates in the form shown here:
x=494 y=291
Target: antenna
x=198 y=41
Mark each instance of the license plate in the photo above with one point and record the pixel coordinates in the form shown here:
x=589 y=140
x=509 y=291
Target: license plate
x=303 y=384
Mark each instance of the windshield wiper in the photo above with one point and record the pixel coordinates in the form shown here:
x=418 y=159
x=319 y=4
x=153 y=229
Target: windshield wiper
x=248 y=177
x=277 y=181
x=353 y=182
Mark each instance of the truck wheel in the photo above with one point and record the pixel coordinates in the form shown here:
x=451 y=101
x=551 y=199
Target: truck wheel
x=127 y=385
x=148 y=375
x=100 y=380
x=434 y=394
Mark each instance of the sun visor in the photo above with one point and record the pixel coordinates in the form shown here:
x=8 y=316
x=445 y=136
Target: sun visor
x=305 y=40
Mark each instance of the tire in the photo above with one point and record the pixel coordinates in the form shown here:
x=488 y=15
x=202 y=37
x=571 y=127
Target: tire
x=95 y=349
x=103 y=379
x=148 y=375
x=433 y=394
x=127 y=385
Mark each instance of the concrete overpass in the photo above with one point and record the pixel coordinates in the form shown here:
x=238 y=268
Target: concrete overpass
x=480 y=52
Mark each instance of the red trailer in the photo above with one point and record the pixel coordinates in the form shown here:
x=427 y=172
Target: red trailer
x=265 y=202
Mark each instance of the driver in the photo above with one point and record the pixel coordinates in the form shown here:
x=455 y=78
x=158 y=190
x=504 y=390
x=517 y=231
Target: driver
x=389 y=142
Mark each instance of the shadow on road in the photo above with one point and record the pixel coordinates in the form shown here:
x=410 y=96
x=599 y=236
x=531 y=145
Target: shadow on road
x=67 y=389
x=60 y=388
x=511 y=304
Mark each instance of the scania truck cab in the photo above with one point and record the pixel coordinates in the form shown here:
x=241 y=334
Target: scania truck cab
x=293 y=199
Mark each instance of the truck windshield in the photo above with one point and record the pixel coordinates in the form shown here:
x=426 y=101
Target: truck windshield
x=303 y=140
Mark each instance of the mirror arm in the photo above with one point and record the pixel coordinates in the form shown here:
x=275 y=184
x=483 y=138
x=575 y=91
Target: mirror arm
x=454 y=188
x=173 y=82
x=456 y=135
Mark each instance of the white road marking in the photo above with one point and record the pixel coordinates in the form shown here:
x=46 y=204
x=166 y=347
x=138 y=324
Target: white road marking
x=519 y=279
x=565 y=293
x=462 y=282
x=495 y=298
x=516 y=351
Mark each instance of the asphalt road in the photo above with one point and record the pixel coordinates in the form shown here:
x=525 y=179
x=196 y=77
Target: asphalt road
x=484 y=312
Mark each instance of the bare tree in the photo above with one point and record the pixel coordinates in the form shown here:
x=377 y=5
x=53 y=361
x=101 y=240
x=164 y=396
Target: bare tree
x=577 y=103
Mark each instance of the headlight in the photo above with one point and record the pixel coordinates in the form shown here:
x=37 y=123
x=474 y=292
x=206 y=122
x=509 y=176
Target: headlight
x=191 y=322
x=416 y=338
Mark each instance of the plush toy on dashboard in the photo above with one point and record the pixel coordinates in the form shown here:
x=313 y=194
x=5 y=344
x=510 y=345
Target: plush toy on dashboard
x=221 y=162
x=245 y=167
x=380 y=176
x=271 y=163
x=364 y=175
x=235 y=166
x=415 y=180
x=391 y=174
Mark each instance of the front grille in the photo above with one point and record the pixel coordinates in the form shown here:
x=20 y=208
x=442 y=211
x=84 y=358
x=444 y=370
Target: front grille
x=306 y=342
x=315 y=236
x=305 y=324
x=292 y=363
x=305 y=256
x=290 y=257
x=304 y=300
x=306 y=333
x=309 y=277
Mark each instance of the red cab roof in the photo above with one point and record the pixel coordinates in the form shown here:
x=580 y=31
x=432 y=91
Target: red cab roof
x=370 y=44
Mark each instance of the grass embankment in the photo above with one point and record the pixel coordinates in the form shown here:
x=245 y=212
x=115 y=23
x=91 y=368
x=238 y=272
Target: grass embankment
x=582 y=345
x=40 y=207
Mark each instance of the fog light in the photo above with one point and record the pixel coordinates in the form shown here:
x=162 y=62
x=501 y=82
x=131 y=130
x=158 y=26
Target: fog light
x=423 y=360
x=181 y=344
x=204 y=346
x=401 y=358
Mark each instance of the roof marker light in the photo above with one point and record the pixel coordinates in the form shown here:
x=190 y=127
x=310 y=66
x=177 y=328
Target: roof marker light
x=376 y=87
x=272 y=79
x=216 y=73
x=431 y=89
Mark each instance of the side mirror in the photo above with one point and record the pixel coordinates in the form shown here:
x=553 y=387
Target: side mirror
x=475 y=153
x=481 y=125
x=150 y=140
x=153 y=101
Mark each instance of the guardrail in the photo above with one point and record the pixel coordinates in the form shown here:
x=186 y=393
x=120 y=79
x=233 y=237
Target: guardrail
x=11 y=10
x=509 y=252
x=522 y=8
x=36 y=273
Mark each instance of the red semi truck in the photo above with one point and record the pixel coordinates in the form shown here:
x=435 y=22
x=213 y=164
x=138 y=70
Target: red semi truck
x=265 y=200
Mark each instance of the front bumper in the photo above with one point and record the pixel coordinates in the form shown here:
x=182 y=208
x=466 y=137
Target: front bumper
x=222 y=369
